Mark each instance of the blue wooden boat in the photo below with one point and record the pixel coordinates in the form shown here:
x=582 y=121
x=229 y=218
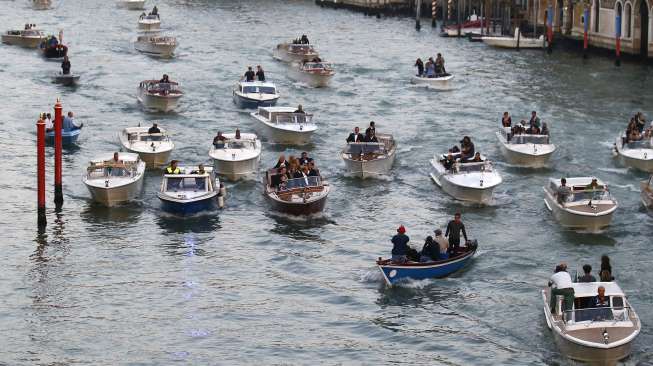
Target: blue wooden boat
x=254 y=94
x=189 y=192
x=393 y=273
x=67 y=137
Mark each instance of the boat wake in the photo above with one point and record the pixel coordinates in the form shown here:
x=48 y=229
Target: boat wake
x=629 y=187
x=622 y=171
x=318 y=216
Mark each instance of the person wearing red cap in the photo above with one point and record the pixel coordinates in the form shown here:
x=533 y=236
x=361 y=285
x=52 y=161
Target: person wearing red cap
x=400 y=246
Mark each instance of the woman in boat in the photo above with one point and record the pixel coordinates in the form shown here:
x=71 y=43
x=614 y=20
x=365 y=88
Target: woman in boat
x=439 y=65
x=506 y=120
x=467 y=149
x=605 y=273
x=65 y=66
x=420 y=67
x=370 y=136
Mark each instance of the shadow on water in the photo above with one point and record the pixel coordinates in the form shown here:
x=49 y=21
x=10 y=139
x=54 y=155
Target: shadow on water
x=587 y=238
x=203 y=222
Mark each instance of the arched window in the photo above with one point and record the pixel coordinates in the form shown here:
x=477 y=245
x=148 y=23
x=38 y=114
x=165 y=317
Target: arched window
x=626 y=20
x=597 y=15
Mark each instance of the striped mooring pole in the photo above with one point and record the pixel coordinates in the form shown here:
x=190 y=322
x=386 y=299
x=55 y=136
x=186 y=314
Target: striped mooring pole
x=434 y=7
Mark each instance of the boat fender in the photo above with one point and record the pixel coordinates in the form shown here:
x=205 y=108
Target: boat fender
x=223 y=190
x=220 y=201
x=106 y=183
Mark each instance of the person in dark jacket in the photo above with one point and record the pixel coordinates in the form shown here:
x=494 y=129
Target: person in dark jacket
x=249 y=74
x=65 y=66
x=282 y=162
x=154 y=129
x=454 y=227
x=430 y=251
x=587 y=277
x=304 y=159
x=606 y=269
x=400 y=245
x=260 y=74
x=356 y=136
x=420 y=67
x=371 y=128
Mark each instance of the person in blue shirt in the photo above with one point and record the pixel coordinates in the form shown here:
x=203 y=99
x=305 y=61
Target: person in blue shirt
x=69 y=124
x=400 y=246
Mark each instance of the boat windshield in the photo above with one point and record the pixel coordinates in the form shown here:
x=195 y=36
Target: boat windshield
x=104 y=171
x=360 y=148
x=530 y=139
x=473 y=167
x=642 y=144
x=186 y=184
x=239 y=144
x=267 y=90
x=589 y=195
x=152 y=137
x=289 y=118
x=301 y=183
x=318 y=65
x=615 y=313
x=300 y=48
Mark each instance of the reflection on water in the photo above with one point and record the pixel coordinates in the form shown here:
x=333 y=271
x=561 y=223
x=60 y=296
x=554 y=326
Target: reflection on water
x=204 y=222
x=124 y=215
x=300 y=227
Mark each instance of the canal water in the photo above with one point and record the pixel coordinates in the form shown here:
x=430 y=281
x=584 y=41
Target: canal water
x=131 y=285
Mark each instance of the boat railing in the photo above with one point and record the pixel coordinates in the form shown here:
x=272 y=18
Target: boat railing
x=598 y=314
x=470 y=167
x=641 y=144
x=310 y=66
x=290 y=118
x=356 y=149
x=524 y=138
x=588 y=195
x=300 y=183
x=105 y=170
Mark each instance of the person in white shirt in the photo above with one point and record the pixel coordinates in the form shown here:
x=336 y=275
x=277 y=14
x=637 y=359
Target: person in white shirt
x=49 y=126
x=561 y=284
x=443 y=243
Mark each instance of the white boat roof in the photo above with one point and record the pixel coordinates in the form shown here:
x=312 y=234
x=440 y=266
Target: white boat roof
x=577 y=181
x=124 y=156
x=143 y=129
x=257 y=83
x=586 y=289
x=186 y=172
x=278 y=109
x=243 y=136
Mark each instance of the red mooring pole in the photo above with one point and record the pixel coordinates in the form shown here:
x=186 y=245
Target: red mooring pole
x=58 y=125
x=40 y=171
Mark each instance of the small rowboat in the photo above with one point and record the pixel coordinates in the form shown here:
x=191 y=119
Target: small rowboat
x=66 y=79
x=67 y=137
x=393 y=273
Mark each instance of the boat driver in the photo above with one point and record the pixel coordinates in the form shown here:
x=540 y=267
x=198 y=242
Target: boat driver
x=165 y=79
x=173 y=169
x=439 y=65
x=563 y=191
x=65 y=66
x=154 y=129
x=249 y=74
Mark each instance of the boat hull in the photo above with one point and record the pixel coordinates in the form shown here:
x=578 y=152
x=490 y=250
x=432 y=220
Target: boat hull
x=66 y=80
x=27 y=42
x=453 y=31
x=149 y=26
x=522 y=159
x=298 y=209
x=591 y=355
x=510 y=42
x=249 y=103
x=188 y=207
x=117 y=195
x=369 y=168
x=153 y=159
x=67 y=137
x=157 y=50
x=444 y=82
x=234 y=170
x=310 y=79
x=159 y=103
x=575 y=221
x=639 y=164
x=281 y=136
x=469 y=194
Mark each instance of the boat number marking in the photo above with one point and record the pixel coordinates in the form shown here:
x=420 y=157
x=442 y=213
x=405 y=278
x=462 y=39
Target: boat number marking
x=392 y=273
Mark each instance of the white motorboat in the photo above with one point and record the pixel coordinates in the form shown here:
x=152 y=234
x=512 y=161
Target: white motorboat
x=159 y=46
x=532 y=151
x=647 y=192
x=282 y=125
x=41 y=4
x=635 y=154
x=189 y=192
x=294 y=52
x=517 y=41
x=132 y=4
x=254 y=94
x=296 y=196
x=466 y=181
x=150 y=22
x=441 y=82
x=153 y=148
x=155 y=95
x=597 y=335
x=585 y=207
x=370 y=159
x=114 y=182
x=66 y=79
x=314 y=74
x=29 y=37
x=236 y=158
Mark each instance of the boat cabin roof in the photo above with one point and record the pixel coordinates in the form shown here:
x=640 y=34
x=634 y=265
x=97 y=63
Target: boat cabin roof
x=587 y=289
x=268 y=84
x=577 y=183
x=108 y=157
x=143 y=130
x=186 y=172
x=277 y=109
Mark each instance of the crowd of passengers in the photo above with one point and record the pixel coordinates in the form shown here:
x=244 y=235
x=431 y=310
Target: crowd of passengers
x=463 y=154
x=293 y=168
x=636 y=129
x=154 y=12
x=301 y=40
x=250 y=75
x=432 y=68
x=562 y=284
x=535 y=127
x=357 y=136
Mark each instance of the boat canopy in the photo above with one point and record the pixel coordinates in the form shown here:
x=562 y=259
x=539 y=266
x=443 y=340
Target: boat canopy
x=187 y=183
x=302 y=183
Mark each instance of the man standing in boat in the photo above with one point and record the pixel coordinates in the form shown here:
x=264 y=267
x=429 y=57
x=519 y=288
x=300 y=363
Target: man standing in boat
x=154 y=129
x=65 y=66
x=355 y=136
x=561 y=284
x=249 y=74
x=454 y=227
x=173 y=169
x=260 y=74
x=439 y=65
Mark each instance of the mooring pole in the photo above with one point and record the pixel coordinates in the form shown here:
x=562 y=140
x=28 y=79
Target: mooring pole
x=549 y=29
x=586 y=23
x=458 y=16
x=40 y=171
x=418 y=10
x=617 y=22
x=434 y=10
x=58 y=126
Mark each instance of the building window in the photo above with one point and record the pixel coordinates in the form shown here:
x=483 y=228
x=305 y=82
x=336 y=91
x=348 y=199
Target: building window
x=626 y=20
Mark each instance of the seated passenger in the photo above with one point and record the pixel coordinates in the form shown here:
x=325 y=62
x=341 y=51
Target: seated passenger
x=448 y=162
x=430 y=70
x=443 y=244
x=304 y=159
x=420 y=67
x=467 y=147
x=371 y=137
x=199 y=182
x=69 y=123
x=356 y=136
x=218 y=140
x=506 y=121
x=545 y=129
x=563 y=191
x=165 y=79
x=372 y=127
x=312 y=170
x=606 y=269
x=594 y=185
x=477 y=158
x=154 y=129
x=430 y=251
x=281 y=162
x=299 y=109
x=587 y=277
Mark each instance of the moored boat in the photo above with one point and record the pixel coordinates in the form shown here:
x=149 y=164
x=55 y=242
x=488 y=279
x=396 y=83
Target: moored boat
x=236 y=158
x=150 y=22
x=158 y=95
x=635 y=154
x=397 y=272
x=316 y=74
x=116 y=178
x=370 y=159
x=517 y=41
x=472 y=25
x=29 y=37
x=466 y=181
x=158 y=46
x=254 y=94
x=527 y=150
x=647 y=192
x=132 y=4
x=66 y=79
x=438 y=82
x=294 y=52
x=586 y=203
x=191 y=191
x=154 y=148
x=598 y=334
x=285 y=125
x=297 y=196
